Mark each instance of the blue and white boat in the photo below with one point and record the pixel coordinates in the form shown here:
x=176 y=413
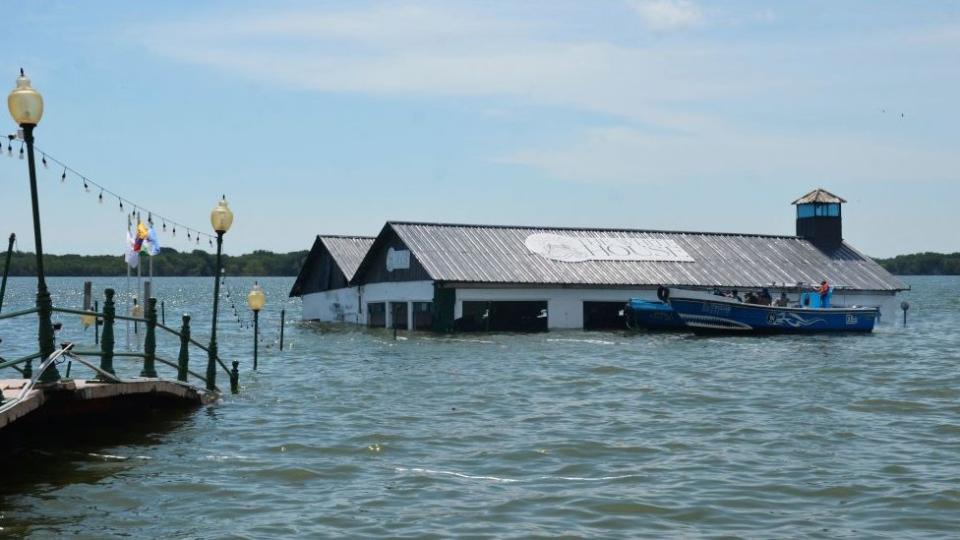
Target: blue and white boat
x=651 y=315
x=708 y=312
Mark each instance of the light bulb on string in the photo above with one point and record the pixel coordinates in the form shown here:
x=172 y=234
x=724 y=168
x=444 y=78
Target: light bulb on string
x=164 y=226
x=43 y=160
x=211 y=242
x=100 y=198
x=63 y=177
x=21 y=150
x=121 y=204
x=10 y=146
x=86 y=187
x=198 y=239
x=188 y=234
x=174 y=230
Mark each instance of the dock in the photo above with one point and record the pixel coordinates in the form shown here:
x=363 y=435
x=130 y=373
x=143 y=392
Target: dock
x=79 y=397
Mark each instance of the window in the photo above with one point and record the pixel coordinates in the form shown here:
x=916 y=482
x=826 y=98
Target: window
x=377 y=314
x=818 y=210
x=422 y=315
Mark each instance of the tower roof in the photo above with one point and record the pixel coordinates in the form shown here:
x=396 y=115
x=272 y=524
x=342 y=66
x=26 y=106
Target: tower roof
x=819 y=195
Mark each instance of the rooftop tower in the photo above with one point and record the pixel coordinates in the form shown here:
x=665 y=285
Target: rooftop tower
x=819 y=218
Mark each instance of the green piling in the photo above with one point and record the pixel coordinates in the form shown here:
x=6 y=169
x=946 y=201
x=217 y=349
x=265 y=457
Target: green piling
x=235 y=378
x=106 y=338
x=6 y=271
x=150 y=341
x=183 y=361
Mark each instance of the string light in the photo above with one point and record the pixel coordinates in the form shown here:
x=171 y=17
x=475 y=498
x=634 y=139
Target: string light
x=88 y=185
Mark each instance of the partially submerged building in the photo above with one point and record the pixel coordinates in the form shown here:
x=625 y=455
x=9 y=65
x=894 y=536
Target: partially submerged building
x=324 y=280
x=447 y=277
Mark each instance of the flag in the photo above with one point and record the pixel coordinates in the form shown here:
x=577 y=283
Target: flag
x=151 y=243
x=131 y=254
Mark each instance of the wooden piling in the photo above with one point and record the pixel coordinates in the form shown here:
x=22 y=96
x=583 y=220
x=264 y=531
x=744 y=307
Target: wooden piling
x=183 y=360
x=150 y=341
x=283 y=316
x=106 y=339
x=6 y=269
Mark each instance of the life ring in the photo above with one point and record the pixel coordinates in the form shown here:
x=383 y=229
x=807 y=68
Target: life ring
x=663 y=293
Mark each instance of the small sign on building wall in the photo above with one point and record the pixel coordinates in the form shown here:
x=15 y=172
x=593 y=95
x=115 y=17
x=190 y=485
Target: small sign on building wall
x=398 y=259
x=605 y=248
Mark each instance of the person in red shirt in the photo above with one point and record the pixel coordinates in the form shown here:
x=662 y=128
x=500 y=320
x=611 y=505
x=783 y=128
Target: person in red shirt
x=824 y=290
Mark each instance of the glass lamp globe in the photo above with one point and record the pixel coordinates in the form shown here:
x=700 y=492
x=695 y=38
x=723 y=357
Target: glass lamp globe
x=25 y=103
x=221 y=217
x=88 y=319
x=256 y=299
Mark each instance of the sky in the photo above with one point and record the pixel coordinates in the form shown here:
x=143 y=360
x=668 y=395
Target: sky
x=334 y=117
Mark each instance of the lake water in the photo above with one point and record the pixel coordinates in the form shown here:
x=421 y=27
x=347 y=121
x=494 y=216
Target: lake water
x=352 y=434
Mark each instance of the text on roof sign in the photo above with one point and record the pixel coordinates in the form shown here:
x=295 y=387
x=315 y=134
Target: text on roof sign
x=605 y=248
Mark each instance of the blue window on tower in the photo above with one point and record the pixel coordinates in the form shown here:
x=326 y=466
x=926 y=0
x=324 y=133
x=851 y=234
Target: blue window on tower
x=818 y=210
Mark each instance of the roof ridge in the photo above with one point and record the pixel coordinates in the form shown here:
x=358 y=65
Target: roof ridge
x=607 y=229
x=346 y=236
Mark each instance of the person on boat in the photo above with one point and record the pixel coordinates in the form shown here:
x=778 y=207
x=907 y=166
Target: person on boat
x=764 y=298
x=751 y=298
x=783 y=301
x=824 y=291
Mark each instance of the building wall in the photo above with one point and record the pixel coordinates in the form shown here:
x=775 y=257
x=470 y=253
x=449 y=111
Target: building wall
x=335 y=305
x=398 y=291
x=564 y=306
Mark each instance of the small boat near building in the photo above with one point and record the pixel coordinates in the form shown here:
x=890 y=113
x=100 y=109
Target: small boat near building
x=711 y=312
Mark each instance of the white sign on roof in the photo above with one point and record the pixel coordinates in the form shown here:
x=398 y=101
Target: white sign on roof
x=605 y=248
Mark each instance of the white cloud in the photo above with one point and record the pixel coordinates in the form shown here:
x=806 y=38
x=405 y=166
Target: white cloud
x=619 y=155
x=668 y=14
x=682 y=108
x=443 y=51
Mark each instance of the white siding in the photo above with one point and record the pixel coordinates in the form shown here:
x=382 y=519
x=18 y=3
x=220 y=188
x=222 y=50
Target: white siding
x=564 y=306
x=335 y=305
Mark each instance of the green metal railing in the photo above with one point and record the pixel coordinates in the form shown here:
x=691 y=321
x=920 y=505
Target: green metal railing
x=107 y=352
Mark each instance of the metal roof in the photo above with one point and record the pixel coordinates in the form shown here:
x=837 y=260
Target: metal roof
x=499 y=254
x=347 y=251
x=819 y=195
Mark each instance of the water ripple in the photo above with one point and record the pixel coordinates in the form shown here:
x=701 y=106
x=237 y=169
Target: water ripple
x=352 y=434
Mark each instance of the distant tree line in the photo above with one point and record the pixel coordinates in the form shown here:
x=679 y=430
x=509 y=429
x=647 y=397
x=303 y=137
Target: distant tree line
x=169 y=262
x=923 y=264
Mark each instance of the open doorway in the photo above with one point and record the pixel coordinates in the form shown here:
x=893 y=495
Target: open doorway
x=503 y=316
x=603 y=315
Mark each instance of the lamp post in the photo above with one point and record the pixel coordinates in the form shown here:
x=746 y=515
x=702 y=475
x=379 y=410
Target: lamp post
x=221 y=218
x=26 y=107
x=256 y=299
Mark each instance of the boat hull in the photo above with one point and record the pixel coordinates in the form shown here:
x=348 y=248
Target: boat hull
x=647 y=315
x=728 y=316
